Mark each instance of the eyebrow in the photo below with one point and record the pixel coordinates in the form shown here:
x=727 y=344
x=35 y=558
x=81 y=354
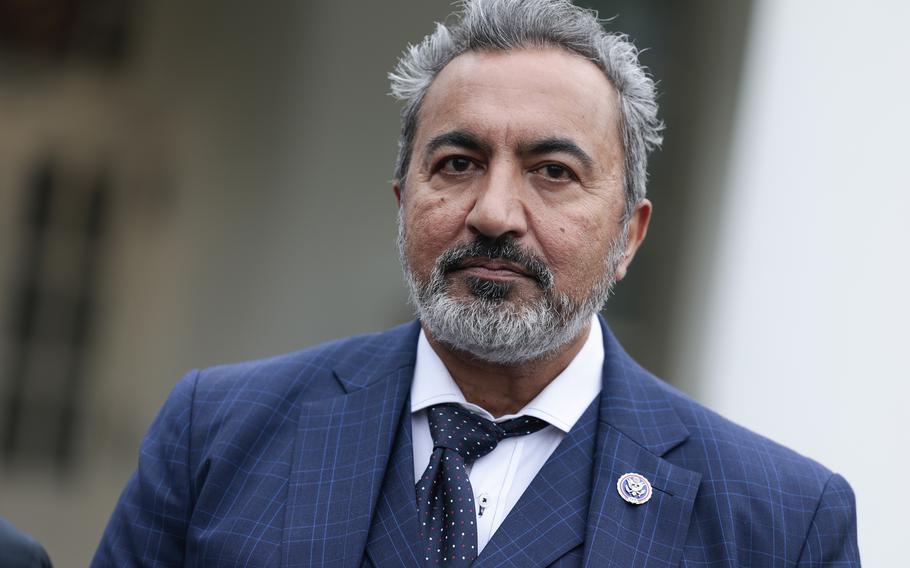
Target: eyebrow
x=470 y=141
x=458 y=139
x=558 y=145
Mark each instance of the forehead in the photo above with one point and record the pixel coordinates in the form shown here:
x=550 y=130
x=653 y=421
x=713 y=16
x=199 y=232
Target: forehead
x=509 y=97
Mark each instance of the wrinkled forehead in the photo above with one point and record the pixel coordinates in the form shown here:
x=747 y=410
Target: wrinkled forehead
x=507 y=97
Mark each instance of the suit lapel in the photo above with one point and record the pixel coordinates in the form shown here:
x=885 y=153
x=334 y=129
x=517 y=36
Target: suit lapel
x=342 y=449
x=649 y=535
x=393 y=536
x=549 y=519
x=574 y=499
x=637 y=427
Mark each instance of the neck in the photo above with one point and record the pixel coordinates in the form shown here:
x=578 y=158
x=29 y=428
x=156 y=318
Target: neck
x=505 y=389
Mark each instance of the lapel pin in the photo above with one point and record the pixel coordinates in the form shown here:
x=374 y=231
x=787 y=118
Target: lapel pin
x=634 y=488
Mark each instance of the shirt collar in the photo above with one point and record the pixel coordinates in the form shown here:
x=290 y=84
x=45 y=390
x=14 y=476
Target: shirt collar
x=561 y=403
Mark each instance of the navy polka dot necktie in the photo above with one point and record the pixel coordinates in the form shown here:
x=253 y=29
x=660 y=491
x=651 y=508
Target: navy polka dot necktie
x=445 y=500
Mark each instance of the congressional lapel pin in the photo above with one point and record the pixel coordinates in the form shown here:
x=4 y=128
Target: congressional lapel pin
x=634 y=488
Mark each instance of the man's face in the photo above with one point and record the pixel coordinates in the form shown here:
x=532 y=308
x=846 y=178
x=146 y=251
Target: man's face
x=513 y=202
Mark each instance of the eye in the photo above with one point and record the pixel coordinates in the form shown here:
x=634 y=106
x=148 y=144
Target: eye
x=555 y=172
x=456 y=164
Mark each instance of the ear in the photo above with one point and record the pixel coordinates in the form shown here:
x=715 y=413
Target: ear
x=396 y=187
x=638 y=229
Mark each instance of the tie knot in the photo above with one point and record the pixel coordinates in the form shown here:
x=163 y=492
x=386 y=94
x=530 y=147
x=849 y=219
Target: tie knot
x=474 y=436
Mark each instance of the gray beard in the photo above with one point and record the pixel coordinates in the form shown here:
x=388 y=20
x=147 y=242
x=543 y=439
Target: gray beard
x=494 y=330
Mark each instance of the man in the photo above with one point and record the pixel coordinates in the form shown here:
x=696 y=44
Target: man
x=506 y=427
x=19 y=550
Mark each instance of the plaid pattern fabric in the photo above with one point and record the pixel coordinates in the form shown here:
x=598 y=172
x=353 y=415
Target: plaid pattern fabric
x=293 y=461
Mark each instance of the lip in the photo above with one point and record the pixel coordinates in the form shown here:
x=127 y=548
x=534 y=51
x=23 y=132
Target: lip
x=492 y=269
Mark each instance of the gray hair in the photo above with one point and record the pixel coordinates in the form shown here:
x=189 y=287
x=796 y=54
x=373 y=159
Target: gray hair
x=487 y=25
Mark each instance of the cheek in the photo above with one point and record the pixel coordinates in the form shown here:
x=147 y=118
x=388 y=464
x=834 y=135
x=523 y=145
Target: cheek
x=575 y=247
x=432 y=227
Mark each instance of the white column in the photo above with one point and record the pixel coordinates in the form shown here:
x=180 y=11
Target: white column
x=804 y=336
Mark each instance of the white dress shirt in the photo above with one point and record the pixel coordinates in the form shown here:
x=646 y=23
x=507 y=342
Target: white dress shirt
x=501 y=477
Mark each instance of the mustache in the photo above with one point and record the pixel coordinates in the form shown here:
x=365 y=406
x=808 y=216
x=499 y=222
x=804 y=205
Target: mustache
x=502 y=248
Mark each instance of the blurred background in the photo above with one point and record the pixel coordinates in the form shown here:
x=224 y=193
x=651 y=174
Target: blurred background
x=191 y=183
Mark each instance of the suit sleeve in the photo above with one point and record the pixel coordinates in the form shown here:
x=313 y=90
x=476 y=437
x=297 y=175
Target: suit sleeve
x=149 y=523
x=831 y=541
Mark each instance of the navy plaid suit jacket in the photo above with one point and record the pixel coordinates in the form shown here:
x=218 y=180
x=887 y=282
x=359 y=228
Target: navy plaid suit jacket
x=304 y=460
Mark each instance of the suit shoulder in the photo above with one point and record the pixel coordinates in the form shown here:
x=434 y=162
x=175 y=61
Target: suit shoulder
x=233 y=405
x=758 y=495
x=722 y=448
x=309 y=369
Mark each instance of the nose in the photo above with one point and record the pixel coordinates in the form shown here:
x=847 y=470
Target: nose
x=498 y=208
